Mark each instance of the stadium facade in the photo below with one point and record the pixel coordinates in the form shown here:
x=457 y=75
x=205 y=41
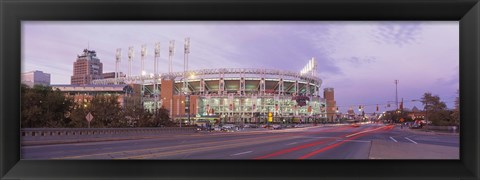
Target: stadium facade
x=235 y=95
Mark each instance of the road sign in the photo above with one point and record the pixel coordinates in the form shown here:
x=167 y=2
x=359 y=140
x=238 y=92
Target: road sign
x=89 y=117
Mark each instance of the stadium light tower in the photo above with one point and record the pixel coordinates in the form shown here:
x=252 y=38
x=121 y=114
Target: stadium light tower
x=185 y=77
x=155 y=64
x=118 y=57
x=143 y=53
x=171 y=52
x=185 y=64
x=130 y=58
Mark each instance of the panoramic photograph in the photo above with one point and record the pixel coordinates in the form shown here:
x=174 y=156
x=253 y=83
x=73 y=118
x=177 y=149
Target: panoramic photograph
x=240 y=90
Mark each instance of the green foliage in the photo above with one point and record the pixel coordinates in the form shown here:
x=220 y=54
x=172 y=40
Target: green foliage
x=456 y=111
x=396 y=116
x=137 y=116
x=433 y=103
x=437 y=111
x=162 y=118
x=106 y=111
x=43 y=107
x=442 y=118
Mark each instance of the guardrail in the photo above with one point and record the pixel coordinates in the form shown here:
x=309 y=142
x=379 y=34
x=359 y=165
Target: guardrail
x=51 y=132
x=442 y=128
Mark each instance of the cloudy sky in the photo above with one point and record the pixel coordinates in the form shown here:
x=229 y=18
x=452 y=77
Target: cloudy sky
x=360 y=60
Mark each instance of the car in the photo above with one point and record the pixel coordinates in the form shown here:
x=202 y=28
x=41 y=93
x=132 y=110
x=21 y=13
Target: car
x=416 y=126
x=253 y=126
x=276 y=126
x=298 y=126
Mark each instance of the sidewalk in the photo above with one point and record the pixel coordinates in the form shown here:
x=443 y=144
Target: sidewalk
x=395 y=150
x=429 y=132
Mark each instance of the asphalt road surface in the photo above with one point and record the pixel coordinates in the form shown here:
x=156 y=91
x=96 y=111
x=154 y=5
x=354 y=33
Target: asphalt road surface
x=339 y=142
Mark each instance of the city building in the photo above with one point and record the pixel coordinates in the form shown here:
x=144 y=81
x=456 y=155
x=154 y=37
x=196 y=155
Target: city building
x=82 y=94
x=86 y=68
x=415 y=113
x=351 y=113
x=329 y=95
x=35 y=78
x=112 y=75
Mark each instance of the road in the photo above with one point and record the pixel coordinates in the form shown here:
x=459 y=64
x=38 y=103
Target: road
x=338 y=142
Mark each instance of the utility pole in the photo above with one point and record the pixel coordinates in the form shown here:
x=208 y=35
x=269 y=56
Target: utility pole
x=396 y=93
x=396 y=98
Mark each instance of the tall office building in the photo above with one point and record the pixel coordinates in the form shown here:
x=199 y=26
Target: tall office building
x=36 y=78
x=87 y=68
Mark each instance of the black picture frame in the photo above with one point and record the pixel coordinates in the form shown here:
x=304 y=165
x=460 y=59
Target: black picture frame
x=12 y=12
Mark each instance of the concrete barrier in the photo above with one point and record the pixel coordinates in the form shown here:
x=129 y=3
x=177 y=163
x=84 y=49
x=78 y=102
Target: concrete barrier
x=442 y=129
x=62 y=133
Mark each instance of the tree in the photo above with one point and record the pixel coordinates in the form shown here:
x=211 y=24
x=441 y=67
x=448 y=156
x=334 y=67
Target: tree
x=77 y=116
x=456 y=110
x=106 y=111
x=436 y=110
x=396 y=116
x=162 y=118
x=43 y=107
x=137 y=116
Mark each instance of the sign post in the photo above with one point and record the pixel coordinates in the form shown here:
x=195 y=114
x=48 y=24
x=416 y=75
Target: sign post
x=89 y=118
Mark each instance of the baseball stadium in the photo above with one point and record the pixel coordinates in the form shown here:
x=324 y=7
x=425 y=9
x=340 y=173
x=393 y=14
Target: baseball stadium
x=234 y=95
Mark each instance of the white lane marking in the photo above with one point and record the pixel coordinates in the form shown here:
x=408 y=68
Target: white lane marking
x=246 y=152
x=361 y=132
x=355 y=141
x=411 y=140
x=318 y=137
x=291 y=143
x=393 y=139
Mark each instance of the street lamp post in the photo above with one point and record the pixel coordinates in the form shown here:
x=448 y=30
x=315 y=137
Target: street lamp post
x=187 y=105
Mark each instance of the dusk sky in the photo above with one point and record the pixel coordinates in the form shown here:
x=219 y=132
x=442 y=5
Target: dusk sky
x=360 y=60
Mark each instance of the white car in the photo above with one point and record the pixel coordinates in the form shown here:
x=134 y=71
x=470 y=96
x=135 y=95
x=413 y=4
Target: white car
x=276 y=126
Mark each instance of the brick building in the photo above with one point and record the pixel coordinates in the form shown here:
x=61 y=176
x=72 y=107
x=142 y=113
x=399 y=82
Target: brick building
x=86 y=68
